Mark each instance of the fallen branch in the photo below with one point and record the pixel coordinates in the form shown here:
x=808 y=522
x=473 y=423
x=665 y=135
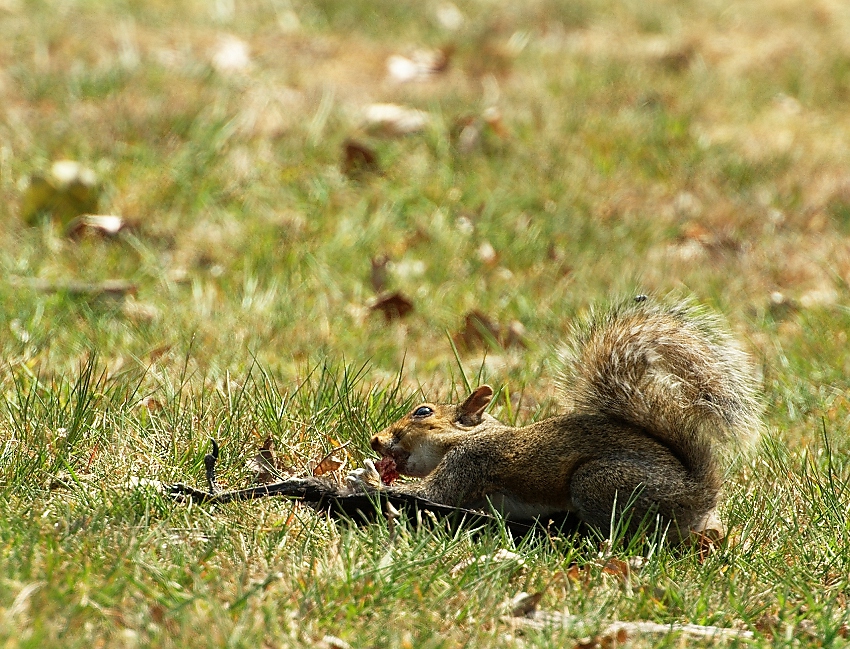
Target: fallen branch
x=114 y=288
x=340 y=502
x=326 y=496
x=621 y=631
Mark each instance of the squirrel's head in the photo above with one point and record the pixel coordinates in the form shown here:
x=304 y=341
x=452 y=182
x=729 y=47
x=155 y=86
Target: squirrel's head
x=419 y=440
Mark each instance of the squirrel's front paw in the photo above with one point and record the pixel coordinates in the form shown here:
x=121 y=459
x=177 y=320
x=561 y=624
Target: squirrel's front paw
x=364 y=479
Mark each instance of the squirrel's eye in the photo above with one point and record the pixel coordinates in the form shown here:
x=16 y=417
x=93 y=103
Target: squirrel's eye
x=423 y=411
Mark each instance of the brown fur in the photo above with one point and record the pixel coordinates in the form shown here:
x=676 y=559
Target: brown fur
x=655 y=393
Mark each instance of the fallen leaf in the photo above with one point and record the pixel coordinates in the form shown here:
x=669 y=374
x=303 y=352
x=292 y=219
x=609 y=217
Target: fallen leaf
x=158 y=352
x=263 y=464
x=327 y=464
x=480 y=331
x=617 y=568
x=395 y=120
x=157 y=613
x=68 y=190
x=393 y=306
x=708 y=239
x=768 y=624
x=101 y=224
x=108 y=288
x=358 y=159
x=578 y=575
x=151 y=404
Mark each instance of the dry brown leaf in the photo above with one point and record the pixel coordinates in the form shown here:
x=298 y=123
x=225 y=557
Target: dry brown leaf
x=115 y=288
x=394 y=306
x=578 y=575
x=327 y=464
x=158 y=352
x=618 y=568
x=358 y=159
x=768 y=624
x=479 y=331
x=264 y=464
x=152 y=405
x=710 y=240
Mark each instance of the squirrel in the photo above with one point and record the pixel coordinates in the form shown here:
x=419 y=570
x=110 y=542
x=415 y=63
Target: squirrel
x=656 y=395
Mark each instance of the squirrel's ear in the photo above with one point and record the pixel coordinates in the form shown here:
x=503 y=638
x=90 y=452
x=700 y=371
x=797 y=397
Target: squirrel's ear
x=469 y=412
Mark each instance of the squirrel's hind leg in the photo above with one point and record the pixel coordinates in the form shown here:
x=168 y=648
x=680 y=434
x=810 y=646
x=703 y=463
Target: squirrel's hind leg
x=613 y=494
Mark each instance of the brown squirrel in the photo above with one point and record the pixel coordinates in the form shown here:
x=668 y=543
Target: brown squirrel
x=656 y=393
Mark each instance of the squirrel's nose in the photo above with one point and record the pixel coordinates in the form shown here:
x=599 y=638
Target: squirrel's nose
x=375 y=443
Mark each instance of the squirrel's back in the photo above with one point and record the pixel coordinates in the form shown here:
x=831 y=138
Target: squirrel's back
x=672 y=371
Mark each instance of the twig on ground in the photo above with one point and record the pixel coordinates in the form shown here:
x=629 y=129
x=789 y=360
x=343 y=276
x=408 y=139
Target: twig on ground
x=621 y=631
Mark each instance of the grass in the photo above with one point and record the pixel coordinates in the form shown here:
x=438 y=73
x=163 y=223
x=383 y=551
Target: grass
x=655 y=146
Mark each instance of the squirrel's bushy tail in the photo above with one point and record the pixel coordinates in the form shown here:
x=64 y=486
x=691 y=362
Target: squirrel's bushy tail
x=673 y=371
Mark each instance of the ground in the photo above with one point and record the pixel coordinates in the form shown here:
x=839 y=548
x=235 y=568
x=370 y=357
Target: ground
x=294 y=267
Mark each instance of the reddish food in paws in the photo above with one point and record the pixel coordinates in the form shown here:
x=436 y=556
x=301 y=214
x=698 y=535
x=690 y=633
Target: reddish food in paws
x=387 y=469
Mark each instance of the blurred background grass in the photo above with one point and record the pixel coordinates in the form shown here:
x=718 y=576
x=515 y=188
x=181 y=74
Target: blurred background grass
x=572 y=151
